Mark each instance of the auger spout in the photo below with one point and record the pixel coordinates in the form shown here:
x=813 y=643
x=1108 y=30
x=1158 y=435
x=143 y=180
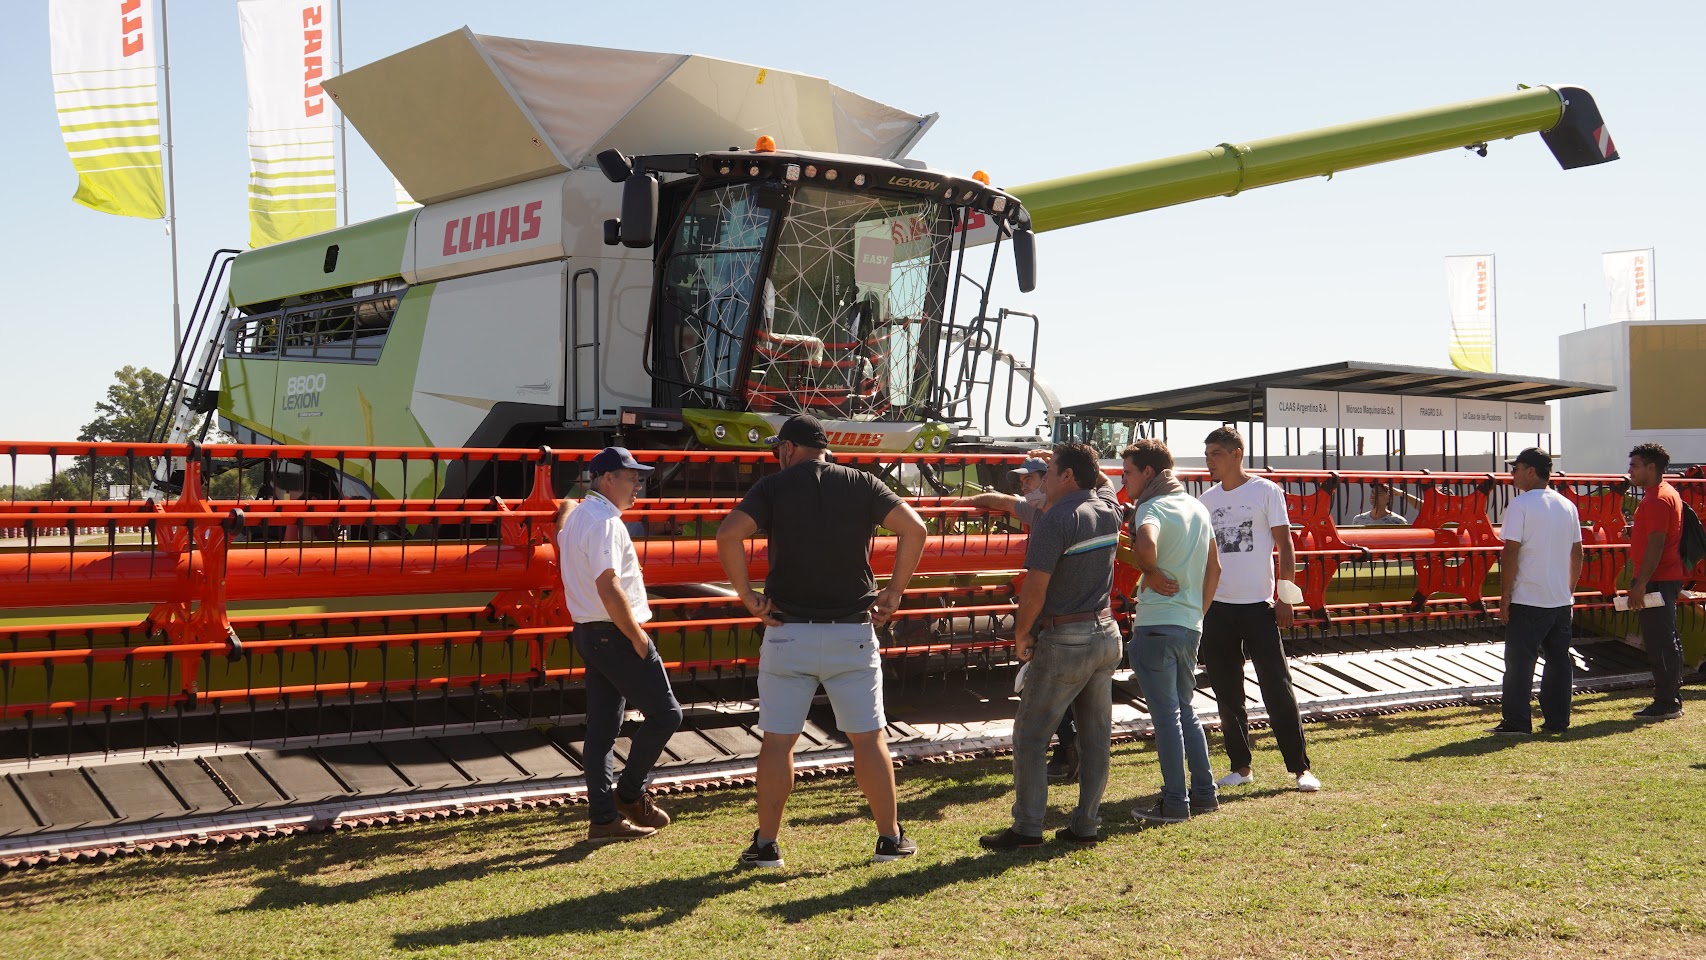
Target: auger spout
x=1565 y=116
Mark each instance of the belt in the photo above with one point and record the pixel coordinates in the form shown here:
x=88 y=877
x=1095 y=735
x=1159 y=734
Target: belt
x=863 y=616
x=1049 y=623
x=596 y=625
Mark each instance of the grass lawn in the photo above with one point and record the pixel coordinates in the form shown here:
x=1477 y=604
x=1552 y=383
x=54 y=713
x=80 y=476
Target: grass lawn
x=1431 y=839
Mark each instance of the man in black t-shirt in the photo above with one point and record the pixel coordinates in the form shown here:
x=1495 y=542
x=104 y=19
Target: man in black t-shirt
x=819 y=606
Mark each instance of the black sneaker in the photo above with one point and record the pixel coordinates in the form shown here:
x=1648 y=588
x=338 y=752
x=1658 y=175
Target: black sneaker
x=1161 y=813
x=1008 y=840
x=1507 y=731
x=893 y=848
x=1198 y=809
x=1066 y=835
x=767 y=854
x=1063 y=766
x=1550 y=728
x=1656 y=712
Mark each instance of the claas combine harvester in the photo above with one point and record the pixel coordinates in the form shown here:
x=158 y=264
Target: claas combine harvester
x=674 y=253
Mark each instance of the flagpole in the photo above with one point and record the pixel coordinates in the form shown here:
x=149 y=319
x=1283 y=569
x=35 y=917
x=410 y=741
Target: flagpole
x=1653 y=279
x=343 y=142
x=1494 y=260
x=171 y=186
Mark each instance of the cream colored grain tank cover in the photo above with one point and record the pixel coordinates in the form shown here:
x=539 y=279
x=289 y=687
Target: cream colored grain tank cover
x=465 y=113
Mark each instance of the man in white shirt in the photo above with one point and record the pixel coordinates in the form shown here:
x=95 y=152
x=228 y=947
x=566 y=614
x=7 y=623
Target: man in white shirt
x=1249 y=519
x=606 y=596
x=1540 y=565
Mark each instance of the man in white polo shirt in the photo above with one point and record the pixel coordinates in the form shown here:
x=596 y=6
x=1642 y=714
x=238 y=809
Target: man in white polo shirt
x=607 y=599
x=1540 y=565
x=1249 y=518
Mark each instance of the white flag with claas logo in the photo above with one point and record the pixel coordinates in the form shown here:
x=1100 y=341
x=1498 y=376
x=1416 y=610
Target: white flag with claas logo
x=1469 y=290
x=1629 y=282
x=106 y=91
x=288 y=48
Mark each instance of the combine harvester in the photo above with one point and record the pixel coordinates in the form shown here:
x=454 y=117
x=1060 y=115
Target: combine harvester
x=367 y=628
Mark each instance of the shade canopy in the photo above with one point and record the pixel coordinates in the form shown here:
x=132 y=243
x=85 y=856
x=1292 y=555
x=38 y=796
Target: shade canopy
x=463 y=113
x=1245 y=397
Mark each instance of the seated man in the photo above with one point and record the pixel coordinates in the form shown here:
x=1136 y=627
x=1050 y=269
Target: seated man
x=1380 y=512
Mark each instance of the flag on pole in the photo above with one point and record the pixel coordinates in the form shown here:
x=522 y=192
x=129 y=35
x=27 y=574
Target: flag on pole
x=106 y=89
x=404 y=201
x=293 y=182
x=1469 y=289
x=1629 y=281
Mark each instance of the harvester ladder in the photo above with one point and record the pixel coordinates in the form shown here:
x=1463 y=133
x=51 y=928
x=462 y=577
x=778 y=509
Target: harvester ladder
x=579 y=402
x=187 y=397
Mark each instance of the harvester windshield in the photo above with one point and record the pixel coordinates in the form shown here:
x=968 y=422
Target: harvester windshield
x=824 y=298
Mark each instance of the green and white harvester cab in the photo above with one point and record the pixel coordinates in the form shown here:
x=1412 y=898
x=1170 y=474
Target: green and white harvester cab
x=678 y=252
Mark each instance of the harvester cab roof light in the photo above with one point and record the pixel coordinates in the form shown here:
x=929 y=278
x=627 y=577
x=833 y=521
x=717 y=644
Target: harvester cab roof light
x=752 y=171
x=765 y=144
x=830 y=174
x=811 y=170
x=997 y=204
x=724 y=169
x=980 y=177
x=791 y=172
x=858 y=180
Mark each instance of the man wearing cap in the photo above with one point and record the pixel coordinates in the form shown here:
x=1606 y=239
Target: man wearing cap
x=819 y=605
x=1030 y=474
x=1541 y=562
x=606 y=598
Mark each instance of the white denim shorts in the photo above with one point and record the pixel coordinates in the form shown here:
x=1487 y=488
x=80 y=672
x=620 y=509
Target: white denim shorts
x=797 y=657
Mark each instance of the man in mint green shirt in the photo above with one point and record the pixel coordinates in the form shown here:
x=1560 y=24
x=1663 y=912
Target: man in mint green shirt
x=1171 y=537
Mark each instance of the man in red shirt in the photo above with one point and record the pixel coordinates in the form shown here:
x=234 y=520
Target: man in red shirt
x=1655 y=559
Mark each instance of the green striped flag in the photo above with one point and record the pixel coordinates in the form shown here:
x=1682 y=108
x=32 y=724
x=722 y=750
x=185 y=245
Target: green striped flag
x=293 y=185
x=105 y=87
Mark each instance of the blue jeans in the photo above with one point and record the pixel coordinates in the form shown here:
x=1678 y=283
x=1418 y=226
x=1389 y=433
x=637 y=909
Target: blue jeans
x=1538 y=632
x=1164 y=659
x=615 y=677
x=1072 y=665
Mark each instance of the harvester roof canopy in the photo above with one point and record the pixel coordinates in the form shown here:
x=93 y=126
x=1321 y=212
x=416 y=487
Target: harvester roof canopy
x=1245 y=398
x=463 y=113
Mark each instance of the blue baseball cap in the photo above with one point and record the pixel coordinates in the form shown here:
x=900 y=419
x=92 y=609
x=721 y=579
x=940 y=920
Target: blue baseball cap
x=1031 y=465
x=615 y=458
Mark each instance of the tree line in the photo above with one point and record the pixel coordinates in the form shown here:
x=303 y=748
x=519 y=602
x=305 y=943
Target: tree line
x=125 y=415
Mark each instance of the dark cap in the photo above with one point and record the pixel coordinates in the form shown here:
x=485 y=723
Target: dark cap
x=1533 y=457
x=1031 y=465
x=803 y=429
x=615 y=458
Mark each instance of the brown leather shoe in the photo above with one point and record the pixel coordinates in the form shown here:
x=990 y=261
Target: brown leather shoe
x=617 y=829
x=643 y=812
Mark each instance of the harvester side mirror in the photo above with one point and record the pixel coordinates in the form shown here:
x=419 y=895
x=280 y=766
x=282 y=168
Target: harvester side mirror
x=615 y=166
x=639 y=211
x=1025 y=258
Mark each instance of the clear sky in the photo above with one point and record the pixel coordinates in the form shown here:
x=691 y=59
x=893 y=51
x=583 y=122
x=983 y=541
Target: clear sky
x=1286 y=276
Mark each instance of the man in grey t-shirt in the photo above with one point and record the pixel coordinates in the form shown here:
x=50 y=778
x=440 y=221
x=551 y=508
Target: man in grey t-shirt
x=1067 y=637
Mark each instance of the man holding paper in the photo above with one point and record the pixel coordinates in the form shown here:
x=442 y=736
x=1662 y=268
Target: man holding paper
x=1655 y=563
x=1249 y=518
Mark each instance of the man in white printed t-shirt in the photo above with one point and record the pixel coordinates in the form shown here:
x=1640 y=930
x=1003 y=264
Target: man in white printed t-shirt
x=1249 y=518
x=1540 y=565
x=606 y=596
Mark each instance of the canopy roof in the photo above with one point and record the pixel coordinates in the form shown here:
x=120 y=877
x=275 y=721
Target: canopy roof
x=1244 y=398
x=464 y=113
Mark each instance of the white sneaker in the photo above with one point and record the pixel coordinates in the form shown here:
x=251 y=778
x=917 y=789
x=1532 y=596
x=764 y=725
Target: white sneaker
x=1235 y=779
x=1308 y=782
